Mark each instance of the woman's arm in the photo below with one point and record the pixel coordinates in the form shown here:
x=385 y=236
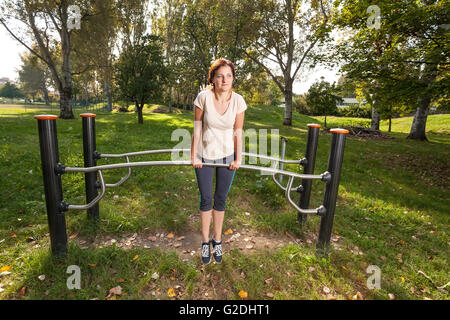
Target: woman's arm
x=198 y=123
x=237 y=133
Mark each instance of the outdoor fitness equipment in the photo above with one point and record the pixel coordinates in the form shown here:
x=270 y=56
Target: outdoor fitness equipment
x=52 y=170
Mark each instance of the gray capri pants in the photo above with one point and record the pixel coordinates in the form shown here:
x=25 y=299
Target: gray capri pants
x=224 y=178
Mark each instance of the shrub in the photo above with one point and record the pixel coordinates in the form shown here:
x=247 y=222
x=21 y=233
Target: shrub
x=355 y=111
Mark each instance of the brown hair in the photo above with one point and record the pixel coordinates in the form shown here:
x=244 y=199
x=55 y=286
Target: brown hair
x=216 y=65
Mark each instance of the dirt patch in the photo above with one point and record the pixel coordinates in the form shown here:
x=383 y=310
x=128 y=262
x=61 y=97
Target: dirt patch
x=188 y=243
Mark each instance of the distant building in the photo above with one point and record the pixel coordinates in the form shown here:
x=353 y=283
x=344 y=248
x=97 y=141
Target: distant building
x=347 y=102
x=5 y=80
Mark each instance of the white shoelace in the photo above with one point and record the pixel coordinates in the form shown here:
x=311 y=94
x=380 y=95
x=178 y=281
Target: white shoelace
x=218 y=250
x=205 y=250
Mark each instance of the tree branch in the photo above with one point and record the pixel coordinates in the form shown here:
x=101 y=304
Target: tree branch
x=23 y=43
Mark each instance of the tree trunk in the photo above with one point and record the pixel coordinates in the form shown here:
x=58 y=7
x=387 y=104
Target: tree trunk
x=288 y=107
x=45 y=92
x=65 y=105
x=375 y=124
x=170 y=99
x=139 y=111
x=66 y=94
x=108 y=96
x=420 y=120
x=325 y=124
x=390 y=123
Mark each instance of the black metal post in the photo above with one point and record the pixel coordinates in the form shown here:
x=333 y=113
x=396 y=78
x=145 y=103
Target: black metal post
x=90 y=160
x=308 y=168
x=331 y=189
x=52 y=183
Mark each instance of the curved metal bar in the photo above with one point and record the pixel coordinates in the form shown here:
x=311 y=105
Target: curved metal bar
x=140 y=153
x=95 y=200
x=288 y=196
x=188 y=163
x=123 y=178
x=279 y=184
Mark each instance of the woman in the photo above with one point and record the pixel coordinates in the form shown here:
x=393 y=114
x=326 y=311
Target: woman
x=218 y=121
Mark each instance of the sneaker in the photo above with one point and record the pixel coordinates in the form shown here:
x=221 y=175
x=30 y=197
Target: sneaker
x=206 y=253
x=217 y=250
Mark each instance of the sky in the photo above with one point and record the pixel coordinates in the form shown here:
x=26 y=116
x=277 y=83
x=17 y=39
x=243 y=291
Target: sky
x=11 y=49
x=9 y=55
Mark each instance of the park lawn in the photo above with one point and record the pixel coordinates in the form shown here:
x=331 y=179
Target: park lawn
x=392 y=212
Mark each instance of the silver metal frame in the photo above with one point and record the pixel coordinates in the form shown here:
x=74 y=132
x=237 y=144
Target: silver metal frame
x=95 y=200
x=288 y=189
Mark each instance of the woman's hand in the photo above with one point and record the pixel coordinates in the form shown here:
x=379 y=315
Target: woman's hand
x=234 y=165
x=196 y=163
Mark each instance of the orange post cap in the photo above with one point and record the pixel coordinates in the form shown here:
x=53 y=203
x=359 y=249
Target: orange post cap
x=339 y=130
x=46 y=117
x=88 y=115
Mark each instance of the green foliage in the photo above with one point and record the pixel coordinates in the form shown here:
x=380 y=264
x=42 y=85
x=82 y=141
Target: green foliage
x=10 y=90
x=356 y=111
x=141 y=72
x=322 y=99
x=299 y=104
x=404 y=62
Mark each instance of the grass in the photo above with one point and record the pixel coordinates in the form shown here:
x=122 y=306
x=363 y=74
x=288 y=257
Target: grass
x=392 y=212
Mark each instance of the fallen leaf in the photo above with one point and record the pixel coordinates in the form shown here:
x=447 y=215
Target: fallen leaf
x=155 y=275
x=73 y=236
x=152 y=238
x=116 y=291
x=23 y=291
x=326 y=290
x=5 y=268
x=91 y=265
x=170 y=235
x=391 y=296
x=121 y=280
x=268 y=281
x=402 y=279
x=229 y=231
x=171 y=292
x=358 y=296
x=243 y=294
x=289 y=235
x=176 y=245
x=270 y=295
x=135 y=257
x=13 y=235
x=42 y=277
x=180 y=238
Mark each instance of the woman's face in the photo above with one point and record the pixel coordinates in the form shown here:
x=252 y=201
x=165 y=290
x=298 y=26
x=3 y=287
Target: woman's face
x=223 y=78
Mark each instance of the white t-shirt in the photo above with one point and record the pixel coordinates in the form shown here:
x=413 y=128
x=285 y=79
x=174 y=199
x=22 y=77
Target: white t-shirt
x=217 y=141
